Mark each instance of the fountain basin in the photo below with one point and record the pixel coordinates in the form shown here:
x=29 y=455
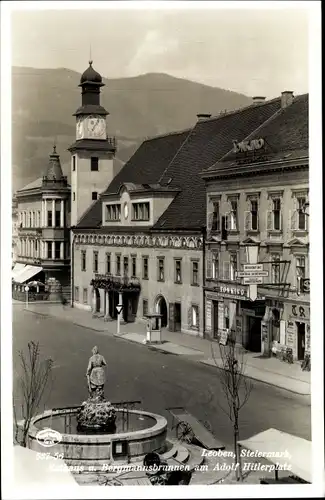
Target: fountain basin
x=146 y=432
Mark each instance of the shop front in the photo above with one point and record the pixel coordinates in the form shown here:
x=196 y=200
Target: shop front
x=297 y=328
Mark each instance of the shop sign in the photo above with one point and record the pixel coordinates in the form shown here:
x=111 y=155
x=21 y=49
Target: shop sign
x=306 y=285
x=291 y=330
x=301 y=312
x=233 y=291
x=223 y=338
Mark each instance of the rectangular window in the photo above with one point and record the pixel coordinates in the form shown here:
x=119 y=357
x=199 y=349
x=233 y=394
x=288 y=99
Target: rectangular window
x=73 y=163
x=85 y=296
x=74 y=196
x=216 y=217
x=49 y=218
x=49 y=249
x=57 y=249
x=94 y=164
x=302 y=217
x=275 y=268
x=145 y=268
x=76 y=294
x=145 y=307
x=178 y=271
x=254 y=215
x=57 y=218
x=141 y=211
x=215 y=265
x=300 y=271
x=126 y=266
x=195 y=273
x=233 y=266
x=118 y=264
x=113 y=212
x=83 y=260
x=233 y=215
x=276 y=214
x=108 y=263
x=95 y=262
x=134 y=266
x=195 y=316
x=94 y=195
x=161 y=269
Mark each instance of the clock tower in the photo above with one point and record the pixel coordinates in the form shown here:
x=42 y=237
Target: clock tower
x=93 y=152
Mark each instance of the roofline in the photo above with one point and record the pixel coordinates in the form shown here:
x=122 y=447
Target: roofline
x=160 y=136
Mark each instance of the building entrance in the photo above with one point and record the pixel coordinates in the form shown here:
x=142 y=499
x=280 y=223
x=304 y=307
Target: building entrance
x=301 y=340
x=162 y=309
x=254 y=333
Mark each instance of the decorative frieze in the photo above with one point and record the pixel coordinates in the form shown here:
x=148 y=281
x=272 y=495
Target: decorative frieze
x=144 y=241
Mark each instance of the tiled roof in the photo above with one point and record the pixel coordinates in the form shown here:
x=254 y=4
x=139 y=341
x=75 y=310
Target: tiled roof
x=178 y=159
x=285 y=135
x=32 y=185
x=146 y=166
x=209 y=140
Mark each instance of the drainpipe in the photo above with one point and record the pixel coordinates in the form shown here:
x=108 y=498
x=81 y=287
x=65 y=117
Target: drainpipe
x=203 y=280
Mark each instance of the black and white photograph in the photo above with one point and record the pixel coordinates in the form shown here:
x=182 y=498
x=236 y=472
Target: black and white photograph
x=161 y=250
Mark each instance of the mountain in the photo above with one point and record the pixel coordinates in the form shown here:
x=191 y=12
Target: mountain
x=44 y=100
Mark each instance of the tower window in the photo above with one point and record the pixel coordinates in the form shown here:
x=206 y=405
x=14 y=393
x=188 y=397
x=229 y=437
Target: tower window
x=94 y=164
x=74 y=196
x=73 y=163
x=94 y=195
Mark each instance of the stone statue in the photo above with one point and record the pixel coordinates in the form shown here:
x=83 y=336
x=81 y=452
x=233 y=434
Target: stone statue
x=96 y=414
x=96 y=375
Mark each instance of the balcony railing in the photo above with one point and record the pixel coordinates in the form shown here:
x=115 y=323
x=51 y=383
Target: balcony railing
x=109 y=281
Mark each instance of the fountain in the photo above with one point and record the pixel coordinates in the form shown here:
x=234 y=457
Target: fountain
x=98 y=433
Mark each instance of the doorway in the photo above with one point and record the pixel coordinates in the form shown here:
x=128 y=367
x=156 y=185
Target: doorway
x=215 y=319
x=254 y=333
x=178 y=317
x=97 y=300
x=113 y=302
x=162 y=309
x=301 y=340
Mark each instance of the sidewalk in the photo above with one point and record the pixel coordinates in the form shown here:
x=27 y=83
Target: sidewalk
x=267 y=370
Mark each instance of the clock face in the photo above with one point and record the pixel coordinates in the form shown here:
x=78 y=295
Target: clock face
x=126 y=210
x=96 y=126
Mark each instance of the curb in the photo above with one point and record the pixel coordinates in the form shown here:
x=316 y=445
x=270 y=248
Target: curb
x=261 y=381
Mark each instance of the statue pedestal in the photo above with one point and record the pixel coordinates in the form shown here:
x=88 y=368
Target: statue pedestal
x=96 y=416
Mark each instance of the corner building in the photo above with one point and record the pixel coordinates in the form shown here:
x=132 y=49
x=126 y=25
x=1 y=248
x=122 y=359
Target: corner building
x=257 y=205
x=143 y=239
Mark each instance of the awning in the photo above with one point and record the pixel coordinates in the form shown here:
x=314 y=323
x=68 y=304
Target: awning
x=17 y=269
x=29 y=470
x=27 y=273
x=281 y=448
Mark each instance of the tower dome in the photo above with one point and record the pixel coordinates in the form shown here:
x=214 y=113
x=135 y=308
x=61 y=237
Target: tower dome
x=91 y=76
x=54 y=170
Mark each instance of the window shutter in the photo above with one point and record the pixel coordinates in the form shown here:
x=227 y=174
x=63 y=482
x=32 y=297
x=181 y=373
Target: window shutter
x=209 y=221
x=280 y=220
x=248 y=220
x=226 y=270
x=209 y=265
x=269 y=220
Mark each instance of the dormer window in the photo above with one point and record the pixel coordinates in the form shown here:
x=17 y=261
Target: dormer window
x=141 y=211
x=113 y=212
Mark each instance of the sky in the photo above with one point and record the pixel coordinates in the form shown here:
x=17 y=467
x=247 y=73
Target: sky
x=254 y=52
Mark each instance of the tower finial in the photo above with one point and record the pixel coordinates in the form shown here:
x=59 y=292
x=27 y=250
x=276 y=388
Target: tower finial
x=54 y=145
x=90 y=59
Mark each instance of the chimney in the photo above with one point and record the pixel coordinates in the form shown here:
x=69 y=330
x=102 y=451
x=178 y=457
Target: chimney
x=258 y=100
x=203 y=116
x=286 y=98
